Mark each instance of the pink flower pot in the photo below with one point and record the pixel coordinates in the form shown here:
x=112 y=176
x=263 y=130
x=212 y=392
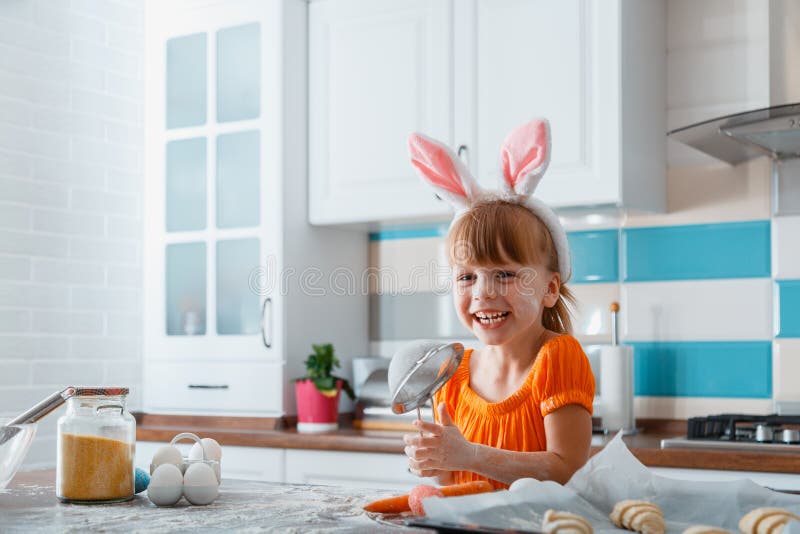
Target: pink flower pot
x=316 y=412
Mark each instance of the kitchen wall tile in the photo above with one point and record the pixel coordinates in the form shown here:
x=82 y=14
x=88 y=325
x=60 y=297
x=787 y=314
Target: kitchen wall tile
x=68 y=322
x=726 y=250
x=785 y=252
x=104 y=250
x=104 y=348
x=14 y=400
x=29 y=192
x=736 y=309
x=34 y=295
x=787 y=308
x=685 y=407
x=703 y=369
x=592 y=317
x=67 y=272
x=786 y=369
x=58 y=373
x=52 y=145
x=27 y=88
x=125 y=228
x=715 y=22
x=23 y=346
x=402 y=264
x=68 y=222
x=417 y=315
x=69 y=172
x=30 y=244
x=14 y=217
x=15 y=164
x=105 y=299
x=712 y=193
x=53 y=17
x=595 y=256
x=68 y=122
x=15 y=112
x=15 y=268
x=15 y=320
x=120 y=275
x=15 y=373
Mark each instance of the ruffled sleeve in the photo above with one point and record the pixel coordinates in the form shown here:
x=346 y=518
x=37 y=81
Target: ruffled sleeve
x=563 y=375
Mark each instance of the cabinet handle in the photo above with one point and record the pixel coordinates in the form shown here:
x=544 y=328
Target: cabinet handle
x=267 y=342
x=463 y=153
x=208 y=386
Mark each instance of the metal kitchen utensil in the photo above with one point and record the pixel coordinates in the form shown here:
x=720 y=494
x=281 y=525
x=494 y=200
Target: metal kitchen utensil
x=418 y=370
x=35 y=413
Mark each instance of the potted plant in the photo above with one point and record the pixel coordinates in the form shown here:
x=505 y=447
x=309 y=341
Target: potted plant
x=317 y=393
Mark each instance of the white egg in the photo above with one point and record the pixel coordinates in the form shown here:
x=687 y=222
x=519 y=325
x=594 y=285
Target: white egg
x=200 y=484
x=166 y=455
x=212 y=448
x=524 y=485
x=166 y=485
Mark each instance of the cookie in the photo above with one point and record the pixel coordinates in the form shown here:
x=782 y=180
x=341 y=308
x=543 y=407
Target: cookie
x=765 y=520
x=558 y=522
x=639 y=516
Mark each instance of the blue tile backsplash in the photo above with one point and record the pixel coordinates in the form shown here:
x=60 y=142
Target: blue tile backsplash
x=703 y=369
x=697 y=252
x=595 y=256
x=788 y=308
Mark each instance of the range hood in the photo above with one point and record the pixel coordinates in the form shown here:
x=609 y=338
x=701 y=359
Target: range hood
x=773 y=132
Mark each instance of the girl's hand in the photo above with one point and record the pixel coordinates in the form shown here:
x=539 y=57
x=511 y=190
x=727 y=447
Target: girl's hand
x=441 y=448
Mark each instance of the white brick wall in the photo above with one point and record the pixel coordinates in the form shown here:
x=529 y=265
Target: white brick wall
x=71 y=90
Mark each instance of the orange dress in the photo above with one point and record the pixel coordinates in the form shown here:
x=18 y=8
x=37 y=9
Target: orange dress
x=561 y=375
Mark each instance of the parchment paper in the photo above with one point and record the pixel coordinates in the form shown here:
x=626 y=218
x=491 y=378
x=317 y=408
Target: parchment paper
x=613 y=475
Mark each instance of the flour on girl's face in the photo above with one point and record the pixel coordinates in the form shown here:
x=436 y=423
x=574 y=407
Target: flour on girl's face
x=502 y=303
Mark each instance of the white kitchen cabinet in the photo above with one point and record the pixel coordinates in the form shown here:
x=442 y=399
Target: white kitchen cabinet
x=237 y=284
x=379 y=69
x=467 y=73
x=242 y=463
x=355 y=469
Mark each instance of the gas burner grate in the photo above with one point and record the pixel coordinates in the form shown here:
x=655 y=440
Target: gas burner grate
x=734 y=427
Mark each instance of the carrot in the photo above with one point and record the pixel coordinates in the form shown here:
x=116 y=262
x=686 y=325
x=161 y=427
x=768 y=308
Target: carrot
x=397 y=505
x=467 y=488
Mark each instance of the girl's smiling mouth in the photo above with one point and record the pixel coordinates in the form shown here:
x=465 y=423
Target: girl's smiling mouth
x=490 y=319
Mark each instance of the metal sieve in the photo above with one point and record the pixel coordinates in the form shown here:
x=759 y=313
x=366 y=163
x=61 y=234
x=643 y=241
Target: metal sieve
x=418 y=370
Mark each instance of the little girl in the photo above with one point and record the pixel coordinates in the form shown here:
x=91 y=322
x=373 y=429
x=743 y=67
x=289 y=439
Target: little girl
x=520 y=406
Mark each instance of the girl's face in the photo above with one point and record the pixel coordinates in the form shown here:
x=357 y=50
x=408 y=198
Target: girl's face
x=499 y=303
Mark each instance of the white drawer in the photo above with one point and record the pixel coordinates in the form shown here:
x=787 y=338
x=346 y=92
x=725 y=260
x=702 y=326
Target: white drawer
x=214 y=388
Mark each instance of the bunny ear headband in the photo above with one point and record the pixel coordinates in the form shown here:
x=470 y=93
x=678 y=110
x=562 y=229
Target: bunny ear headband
x=523 y=159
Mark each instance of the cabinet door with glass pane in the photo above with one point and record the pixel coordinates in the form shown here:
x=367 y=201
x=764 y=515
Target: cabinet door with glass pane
x=212 y=181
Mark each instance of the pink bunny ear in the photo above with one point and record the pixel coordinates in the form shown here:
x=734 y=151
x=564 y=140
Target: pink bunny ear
x=442 y=169
x=525 y=155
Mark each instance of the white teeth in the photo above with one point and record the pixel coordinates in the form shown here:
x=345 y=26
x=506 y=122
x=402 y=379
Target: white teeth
x=490 y=318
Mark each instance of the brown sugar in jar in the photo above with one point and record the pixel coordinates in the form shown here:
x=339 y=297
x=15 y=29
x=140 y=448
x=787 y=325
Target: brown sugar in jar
x=95 y=469
x=96 y=442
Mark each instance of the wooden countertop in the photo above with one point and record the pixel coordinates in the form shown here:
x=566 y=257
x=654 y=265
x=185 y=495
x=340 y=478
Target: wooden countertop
x=264 y=432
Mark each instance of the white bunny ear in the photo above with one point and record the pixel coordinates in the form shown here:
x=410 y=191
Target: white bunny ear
x=524 y=157
x=438 y=166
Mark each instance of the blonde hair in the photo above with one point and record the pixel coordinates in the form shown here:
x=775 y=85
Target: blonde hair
x=496 y=231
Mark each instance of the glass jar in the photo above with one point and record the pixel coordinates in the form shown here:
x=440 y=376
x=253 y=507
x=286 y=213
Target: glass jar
x=96 y=444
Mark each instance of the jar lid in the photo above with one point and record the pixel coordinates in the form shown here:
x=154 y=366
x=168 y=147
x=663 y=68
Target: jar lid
x=97 y=392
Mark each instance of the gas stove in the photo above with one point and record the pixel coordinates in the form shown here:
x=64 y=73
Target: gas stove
x=772 y=433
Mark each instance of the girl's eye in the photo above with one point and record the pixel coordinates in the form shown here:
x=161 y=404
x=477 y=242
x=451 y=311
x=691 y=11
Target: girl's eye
x=465 y=278
x=506 y=274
